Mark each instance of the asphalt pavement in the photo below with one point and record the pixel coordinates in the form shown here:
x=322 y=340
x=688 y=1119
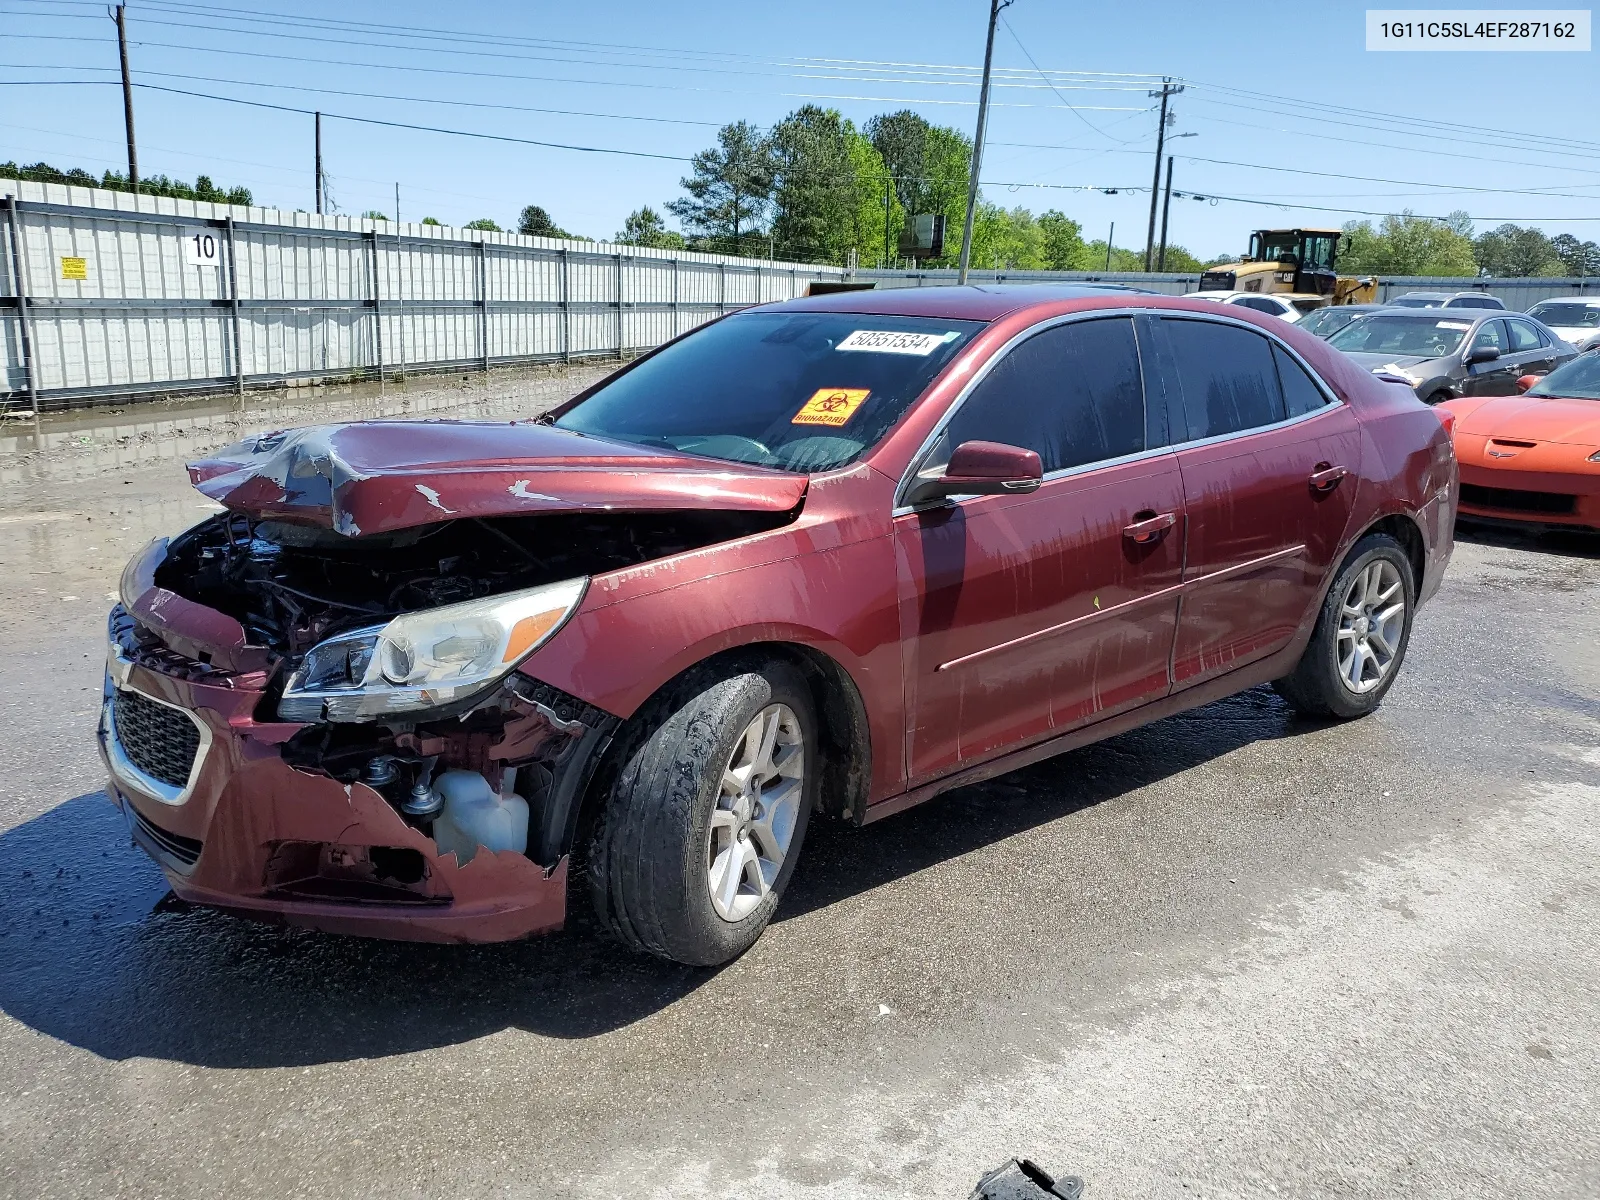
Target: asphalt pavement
x=1232 y=954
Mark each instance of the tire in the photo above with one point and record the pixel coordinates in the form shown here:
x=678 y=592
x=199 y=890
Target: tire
x=1321 y=683
x=1438 y=397
x=669 y=821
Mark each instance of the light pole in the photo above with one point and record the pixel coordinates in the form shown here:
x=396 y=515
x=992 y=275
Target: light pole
x=977 y=142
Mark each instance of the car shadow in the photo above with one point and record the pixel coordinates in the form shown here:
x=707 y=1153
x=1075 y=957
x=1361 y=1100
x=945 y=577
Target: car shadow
x=1568 y=543
x=97 y=954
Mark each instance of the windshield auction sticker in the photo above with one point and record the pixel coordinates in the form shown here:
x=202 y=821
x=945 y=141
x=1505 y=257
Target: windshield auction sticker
x=890 y=341
x=832 y=406
x=1543 y=29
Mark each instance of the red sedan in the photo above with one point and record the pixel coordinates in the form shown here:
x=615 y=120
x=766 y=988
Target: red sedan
x=432 y=679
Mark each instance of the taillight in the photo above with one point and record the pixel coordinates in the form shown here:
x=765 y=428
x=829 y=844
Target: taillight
x=1447 y=418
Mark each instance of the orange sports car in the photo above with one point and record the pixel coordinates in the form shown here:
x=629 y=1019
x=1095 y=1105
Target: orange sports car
x=1533 y=457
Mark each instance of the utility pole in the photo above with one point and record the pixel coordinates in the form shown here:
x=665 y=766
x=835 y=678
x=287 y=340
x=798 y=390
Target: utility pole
x=1166 y=207
x=1110 y=237
x=319 y=164
x=1167 y=91
x=977 y=142
x=127 y=95
x=888 y=184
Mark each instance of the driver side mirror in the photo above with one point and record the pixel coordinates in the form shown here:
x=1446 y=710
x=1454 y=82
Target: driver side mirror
x=1527 y=381
x=979 y=469
x=1482 y=354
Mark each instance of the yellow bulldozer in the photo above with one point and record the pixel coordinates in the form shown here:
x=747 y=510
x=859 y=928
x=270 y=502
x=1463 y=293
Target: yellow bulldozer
x=1296 y=265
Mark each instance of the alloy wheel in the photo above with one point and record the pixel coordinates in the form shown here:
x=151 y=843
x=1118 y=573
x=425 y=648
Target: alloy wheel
x=758 y=806
x=1371 y=622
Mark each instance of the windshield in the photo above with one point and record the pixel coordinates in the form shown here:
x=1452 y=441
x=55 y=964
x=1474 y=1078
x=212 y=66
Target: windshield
x=1401 y=334
x=1578 y=378
x=795 y=391
x=1274 y=246
x=1326 y=322
x=1566 y=314
x=1417 y=302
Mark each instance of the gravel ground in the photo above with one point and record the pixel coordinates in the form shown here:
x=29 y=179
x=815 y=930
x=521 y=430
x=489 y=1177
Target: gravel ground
x=1232 y=954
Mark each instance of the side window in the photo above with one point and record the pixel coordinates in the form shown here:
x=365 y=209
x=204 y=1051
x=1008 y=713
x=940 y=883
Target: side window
x=1228 y=378
x=1524 y=336
x=1073 y=393
x=1491 y=334
x=1300 y=394
x=1261 y=304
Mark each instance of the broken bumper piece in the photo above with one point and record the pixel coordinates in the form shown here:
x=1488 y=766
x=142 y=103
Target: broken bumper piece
x=238 y=819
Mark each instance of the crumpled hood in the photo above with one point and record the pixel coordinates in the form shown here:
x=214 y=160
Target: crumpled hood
x=1371 y=362
x=378 y=476
x=1535 y=419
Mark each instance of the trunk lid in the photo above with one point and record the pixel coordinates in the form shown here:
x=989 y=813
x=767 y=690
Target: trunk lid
x=379 y=476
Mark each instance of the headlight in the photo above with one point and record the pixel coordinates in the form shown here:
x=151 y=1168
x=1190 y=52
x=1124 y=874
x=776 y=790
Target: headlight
x=426 y=659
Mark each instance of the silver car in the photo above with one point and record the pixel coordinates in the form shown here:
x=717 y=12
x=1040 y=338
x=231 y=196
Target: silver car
x=1446 y=353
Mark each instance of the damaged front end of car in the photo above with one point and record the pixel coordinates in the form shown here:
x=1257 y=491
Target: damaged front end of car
x=339 y=731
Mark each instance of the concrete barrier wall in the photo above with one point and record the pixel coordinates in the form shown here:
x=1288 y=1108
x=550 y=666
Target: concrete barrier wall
x=118 y=298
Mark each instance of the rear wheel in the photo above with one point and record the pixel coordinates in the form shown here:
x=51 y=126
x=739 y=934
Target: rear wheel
x=700 y=832
x=1439 y=397
x=1361 y=634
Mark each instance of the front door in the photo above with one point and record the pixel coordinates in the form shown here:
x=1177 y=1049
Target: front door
x=1268 y=485
x=1498 y=376
x=1024 y=616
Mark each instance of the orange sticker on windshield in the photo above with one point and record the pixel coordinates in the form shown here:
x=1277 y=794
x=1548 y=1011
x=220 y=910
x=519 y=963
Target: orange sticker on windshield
x=831 y=406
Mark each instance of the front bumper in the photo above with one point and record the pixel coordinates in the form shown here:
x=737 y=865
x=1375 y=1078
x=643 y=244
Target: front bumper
x=1537 y=498
x=248 y=833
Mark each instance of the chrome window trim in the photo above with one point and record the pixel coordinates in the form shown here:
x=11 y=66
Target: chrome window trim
x=1221 y=317
x=122 y=768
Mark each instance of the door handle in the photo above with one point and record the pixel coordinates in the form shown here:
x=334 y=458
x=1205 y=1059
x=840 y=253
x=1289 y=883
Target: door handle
x=1149 y=529
x=1326 y=477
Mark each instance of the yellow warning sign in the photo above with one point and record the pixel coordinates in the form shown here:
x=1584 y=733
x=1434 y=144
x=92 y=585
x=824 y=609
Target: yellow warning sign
x=831 y=406
x=74 y=268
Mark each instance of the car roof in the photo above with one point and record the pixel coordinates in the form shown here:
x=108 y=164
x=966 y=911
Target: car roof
x=974 y=302
x=1591 y=301
x=1442 y=295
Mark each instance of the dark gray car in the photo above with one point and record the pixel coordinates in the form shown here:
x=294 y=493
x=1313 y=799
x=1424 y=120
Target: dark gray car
x=1325 y=322
x=1446 y=353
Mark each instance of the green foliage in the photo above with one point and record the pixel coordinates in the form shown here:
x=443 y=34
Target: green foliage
x=1577 y=258
x=373 y=214
x=1005 y=240
x=1122 y=259
x=1179 y=259
x=1406 y=244
x=729 y=191
x=154 y=185
x=644 y=227
x=484 y=223
x=1512 y=250
x=1064 y=248
x=815 y=205
x=431 y=221
x=535 y=222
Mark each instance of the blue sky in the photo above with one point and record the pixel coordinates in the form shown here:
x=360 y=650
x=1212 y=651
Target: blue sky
x=1430 y=132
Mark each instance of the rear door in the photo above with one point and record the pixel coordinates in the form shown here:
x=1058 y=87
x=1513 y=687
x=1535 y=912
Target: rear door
x=1269 y=466
x=1531 y=352
x=1024 y=616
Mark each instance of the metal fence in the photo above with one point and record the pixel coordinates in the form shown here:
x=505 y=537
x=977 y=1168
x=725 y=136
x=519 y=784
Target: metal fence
x=1520 y=294
x=109 y=294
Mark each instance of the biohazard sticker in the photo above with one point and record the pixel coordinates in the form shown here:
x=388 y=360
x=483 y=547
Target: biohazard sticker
x=831 y=406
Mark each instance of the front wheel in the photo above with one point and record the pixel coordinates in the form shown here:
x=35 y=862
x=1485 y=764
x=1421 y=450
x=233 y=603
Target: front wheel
x=1361 y=634
x=700 y=832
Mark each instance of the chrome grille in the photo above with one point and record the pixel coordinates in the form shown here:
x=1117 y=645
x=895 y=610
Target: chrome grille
x=162 y=742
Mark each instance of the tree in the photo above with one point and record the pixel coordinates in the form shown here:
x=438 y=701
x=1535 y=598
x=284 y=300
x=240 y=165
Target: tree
x=431 y=221
x=373 y=214
x=729 y=188
x=535 y=222
x=1179 y=259
x=484 y=223
x=1063 y=243
x=1406 y=244
x=153 y=185
x=1005 y=240
x=644 y=227
x=929 y=165
x=814 y=201
x=1577 y=258
x=1514 y=251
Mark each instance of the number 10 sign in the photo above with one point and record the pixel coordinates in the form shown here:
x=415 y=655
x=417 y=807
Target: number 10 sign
x=201 y=250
